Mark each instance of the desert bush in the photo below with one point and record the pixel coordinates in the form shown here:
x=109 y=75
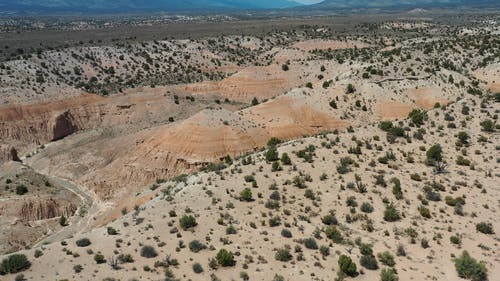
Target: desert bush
x=455 y=239
x=365 y=249
x=396 y=189
x=463 y=138
x=435 y=157
x=197 y=268
x=334 y=234
x=272 y=154
x=469 y=268
x=462 y=161
x=329 y=219
x=324 y=250
x=148 y=252
x=99 y=258
x=231 y=230
x=391 y=214
x=195 y=246
x=111 y=231
x=488 y=125
x=125 y=258
x=283 y=255
x=366 y=207
x=401 y=252
x=84 y=242
x=285 y=159
x=424 y=212
x=225 y=258
x=310 y=243
x=21 y=189
x=38 y=253
x=388 y=274
x=368 y=262
x=274 y=221
x=350 y=89
x=484 y=227
x=187 y=221
x=77 y=268
x=417 y=117
x=347 y=266
x=286 y=233
x=386 y=258
x=246 y=195
x=333 y=104
x=450 y=201
x=14 y=263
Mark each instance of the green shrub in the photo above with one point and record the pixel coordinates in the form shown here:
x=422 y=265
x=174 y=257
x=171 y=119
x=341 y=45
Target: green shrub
x=391 y=214
x=195 y=246
x=283 y=255
x=125 y=258
x=455 y=239
x=231 y=230
x=38 y=253
x=462 y=161
x=484 y=227
x=467 y=267
x=450 y=201
x=77 y=268
x=388 y=274
x=285 y=159
x=366 y=207
x=197 y=268
x=272 y=154
x=225 y=258
x=98 y=258
x=333 y=104
x=417 y=116
x=111 y=231
x=286 y=233
x=365 y=249
x=324 y=250
x=310 y=243
x=368 y=262
x=347 y=266
x=435 y=157
x=246 y=195
x=334 y=234
x=84 y=242
x=187 y=221
x=386 y=258
x=14 y=263
x=329 y=219
x=21 y=189
x=488 y=125
x=148 y=252
x=424 y=212
x=350 y=89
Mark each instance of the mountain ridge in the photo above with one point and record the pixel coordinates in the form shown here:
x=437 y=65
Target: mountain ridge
x=373 y=4
x=27 y=6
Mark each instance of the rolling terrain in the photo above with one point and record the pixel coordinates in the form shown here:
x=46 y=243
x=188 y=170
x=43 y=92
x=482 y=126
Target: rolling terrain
x=256 y=157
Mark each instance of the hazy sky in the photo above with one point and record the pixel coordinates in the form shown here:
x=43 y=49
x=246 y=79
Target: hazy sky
x=308 y=1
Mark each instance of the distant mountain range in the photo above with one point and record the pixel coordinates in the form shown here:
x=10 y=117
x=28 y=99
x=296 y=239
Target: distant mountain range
x=140 y=6
x=373 y=4
x=117 y=6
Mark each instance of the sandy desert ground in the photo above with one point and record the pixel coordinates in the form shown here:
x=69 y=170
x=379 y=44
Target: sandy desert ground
x=256 y=157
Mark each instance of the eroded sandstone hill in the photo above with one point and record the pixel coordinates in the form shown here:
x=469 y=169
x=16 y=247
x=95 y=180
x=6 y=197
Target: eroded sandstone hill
x=115 y=120
x=399 y=200
x=31 y=206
